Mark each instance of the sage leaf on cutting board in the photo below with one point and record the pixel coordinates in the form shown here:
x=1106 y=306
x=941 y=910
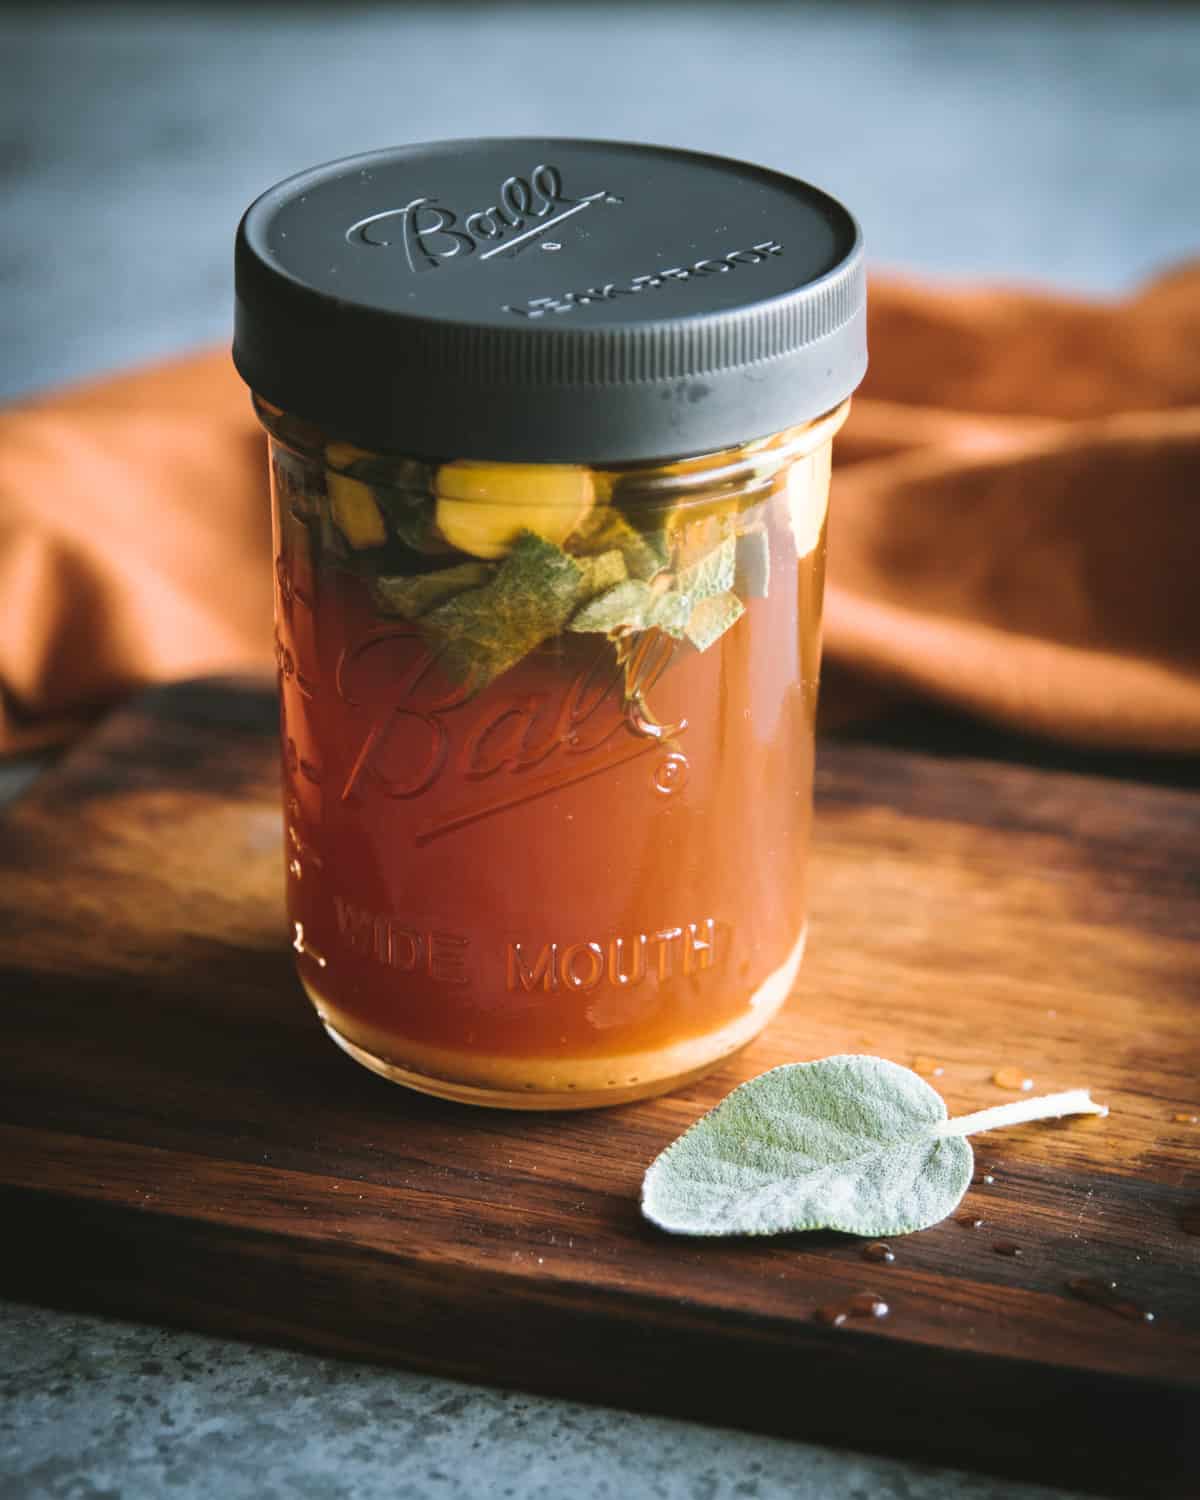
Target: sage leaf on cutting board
x=852 y=1143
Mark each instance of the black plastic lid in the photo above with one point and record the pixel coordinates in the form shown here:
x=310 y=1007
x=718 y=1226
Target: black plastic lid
x=549 y=300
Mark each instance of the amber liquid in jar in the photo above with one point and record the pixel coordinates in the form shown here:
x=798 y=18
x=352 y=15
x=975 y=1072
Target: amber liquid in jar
x=576 y=876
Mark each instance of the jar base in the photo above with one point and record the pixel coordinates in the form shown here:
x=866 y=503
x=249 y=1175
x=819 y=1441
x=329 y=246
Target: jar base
x=498 y=1082
x=529 y=1100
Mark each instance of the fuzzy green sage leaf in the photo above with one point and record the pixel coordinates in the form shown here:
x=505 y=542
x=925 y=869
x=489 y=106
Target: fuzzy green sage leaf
x=622 y=607
x=713 y=574
x=645 y=552
x=482 y=632
x=603 y=570
x=670 y=612
x=712 y=617
x=851 y=1143
x=413 y=596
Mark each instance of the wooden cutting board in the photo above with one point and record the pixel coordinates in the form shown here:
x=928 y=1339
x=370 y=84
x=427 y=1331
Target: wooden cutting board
x=180 y=1142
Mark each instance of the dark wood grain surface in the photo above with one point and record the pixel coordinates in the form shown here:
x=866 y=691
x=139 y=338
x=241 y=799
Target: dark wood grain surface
x=179 y=1140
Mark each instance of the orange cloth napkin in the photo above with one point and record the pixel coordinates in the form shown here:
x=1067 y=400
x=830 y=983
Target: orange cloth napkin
x=1015 y=524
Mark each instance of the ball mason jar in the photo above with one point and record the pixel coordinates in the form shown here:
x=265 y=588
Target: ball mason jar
x=548 y=580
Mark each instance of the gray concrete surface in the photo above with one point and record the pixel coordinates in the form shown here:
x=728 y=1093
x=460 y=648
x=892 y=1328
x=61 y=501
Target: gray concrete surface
x=95 y=1410
x=1013 y=141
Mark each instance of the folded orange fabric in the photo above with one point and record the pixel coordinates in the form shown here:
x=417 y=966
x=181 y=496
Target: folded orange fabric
x=1015 y=524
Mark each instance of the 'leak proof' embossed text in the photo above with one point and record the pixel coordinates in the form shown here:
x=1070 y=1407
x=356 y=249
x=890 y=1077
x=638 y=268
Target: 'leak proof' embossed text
x=609 y=291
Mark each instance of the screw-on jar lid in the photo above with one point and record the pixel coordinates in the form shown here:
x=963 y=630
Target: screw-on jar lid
x=549 y=300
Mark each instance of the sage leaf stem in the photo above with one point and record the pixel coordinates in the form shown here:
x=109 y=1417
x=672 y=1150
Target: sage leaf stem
x=1047 y=1107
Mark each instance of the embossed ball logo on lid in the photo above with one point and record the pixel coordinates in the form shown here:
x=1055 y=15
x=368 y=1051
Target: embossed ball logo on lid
x=433 y=233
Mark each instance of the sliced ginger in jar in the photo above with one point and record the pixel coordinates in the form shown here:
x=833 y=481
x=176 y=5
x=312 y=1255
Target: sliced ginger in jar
x=808 y=497
x=353 y=507
x=482 y=508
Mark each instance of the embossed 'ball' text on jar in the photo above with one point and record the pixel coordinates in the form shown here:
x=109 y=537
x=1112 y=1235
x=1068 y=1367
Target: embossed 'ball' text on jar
x=550 y=426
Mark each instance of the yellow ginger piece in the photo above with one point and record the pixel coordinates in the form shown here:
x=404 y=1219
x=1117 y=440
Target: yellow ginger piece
x=808 y=497
x=482 y=508
x=351 y=503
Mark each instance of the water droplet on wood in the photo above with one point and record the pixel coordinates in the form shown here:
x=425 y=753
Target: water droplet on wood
x=1012 y=1078
x=868 y=1305
x=1105 y=1294
x=1185 y=1119
x=879 y=1252
x=986 y=1178
x=1007 y=1247
x=928 y=1067
x=861 y=1305
x=970 y=1221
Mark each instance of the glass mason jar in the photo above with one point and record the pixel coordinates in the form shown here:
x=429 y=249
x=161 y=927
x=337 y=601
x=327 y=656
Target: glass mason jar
x=547 y=715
